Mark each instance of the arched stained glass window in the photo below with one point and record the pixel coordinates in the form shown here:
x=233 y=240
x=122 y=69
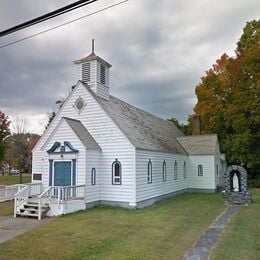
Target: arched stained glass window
x=116 y=173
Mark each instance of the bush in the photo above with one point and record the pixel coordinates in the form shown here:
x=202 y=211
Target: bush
x=255 y=183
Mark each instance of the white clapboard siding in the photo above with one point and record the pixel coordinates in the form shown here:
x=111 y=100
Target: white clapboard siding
x=92 y=161
x=219 y=169
x=37 y=163
x=102 y=91
x=158 y=187
x=207 y=181
x=112 y=141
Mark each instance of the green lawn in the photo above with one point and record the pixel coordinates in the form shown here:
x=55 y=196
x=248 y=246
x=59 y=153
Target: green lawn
x=6 y=208
x=14 y=179
x=164 y=231
x=241 y=238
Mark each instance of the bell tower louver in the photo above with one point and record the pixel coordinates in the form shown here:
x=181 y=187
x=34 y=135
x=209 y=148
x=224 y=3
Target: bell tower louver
x=94 y=71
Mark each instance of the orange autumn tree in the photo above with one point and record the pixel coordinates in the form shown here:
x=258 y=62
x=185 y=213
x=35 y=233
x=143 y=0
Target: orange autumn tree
x=229 y=101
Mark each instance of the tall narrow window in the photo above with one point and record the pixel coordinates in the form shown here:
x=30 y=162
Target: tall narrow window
x=184 y=170
x=102 y=74
x=116 y=173
x=164 y=170
x=200 y=170
x=149 y=172
x=175 y=170
x=93 y=176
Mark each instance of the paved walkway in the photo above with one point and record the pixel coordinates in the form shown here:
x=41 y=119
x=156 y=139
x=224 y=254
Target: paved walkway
x=11 y=227
x=201 y=249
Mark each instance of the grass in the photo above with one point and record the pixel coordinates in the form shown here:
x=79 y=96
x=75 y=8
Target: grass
x=241 y=238
x=6 y=208
x=165 y=231
x=14 y=179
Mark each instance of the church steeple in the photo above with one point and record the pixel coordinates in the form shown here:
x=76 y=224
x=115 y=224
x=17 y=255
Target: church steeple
x=94 y=71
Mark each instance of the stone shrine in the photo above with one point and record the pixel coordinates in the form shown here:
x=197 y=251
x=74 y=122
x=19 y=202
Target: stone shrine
x=236 y=190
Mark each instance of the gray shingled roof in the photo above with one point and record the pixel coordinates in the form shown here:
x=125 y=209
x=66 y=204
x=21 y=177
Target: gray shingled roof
x=199 y=144
x=91 y=57
x=144 y=130
x=82 y=133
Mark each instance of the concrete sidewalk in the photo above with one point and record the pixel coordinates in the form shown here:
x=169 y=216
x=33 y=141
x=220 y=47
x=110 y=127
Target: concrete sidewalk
x=11 y=227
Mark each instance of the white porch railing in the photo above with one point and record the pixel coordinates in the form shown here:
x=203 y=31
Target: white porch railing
x=8 y=192
x=35 y=188
x=28 y=190
x=60 y=194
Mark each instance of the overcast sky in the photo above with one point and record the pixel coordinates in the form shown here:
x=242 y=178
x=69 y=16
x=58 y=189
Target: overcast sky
x=159 y=50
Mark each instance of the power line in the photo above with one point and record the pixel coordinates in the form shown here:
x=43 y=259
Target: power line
x=47 y=16
x=61 y=25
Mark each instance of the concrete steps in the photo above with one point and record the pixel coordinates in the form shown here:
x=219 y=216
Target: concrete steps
x=31 y=209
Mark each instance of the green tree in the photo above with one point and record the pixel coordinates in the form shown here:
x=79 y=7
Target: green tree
x=4 y=133
x=18 y=152
x=229 y=101
x=185 y=128
x=51 y=116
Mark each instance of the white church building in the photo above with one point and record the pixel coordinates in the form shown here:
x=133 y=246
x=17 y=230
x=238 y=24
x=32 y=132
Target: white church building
x=100 y=150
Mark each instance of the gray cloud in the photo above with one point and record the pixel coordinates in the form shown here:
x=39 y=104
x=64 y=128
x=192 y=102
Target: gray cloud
x=158 y=49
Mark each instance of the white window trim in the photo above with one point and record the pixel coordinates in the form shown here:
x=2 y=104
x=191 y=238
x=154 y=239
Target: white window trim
x=184 y=170
x=200 y=170
x=115 y=178
x=164 y=171
x=175 y=170
x=93 y=176
x=149 y=172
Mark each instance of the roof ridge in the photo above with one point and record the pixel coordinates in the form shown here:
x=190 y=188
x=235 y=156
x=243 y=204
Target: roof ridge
x=201 y=135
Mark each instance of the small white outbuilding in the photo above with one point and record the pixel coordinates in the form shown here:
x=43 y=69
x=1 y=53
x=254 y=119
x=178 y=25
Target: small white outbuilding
x=120 y=154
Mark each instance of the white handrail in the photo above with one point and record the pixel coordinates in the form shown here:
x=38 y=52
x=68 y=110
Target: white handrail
x=24 y=192
x=20 y=197
x=46 y=192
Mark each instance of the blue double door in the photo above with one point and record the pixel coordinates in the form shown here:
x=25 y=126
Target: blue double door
x=62 y=174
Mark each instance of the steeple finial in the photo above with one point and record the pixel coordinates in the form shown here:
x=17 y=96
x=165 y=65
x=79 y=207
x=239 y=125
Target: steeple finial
x=93 y=45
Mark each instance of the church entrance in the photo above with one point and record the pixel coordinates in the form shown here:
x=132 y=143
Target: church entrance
x=62 y=173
